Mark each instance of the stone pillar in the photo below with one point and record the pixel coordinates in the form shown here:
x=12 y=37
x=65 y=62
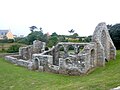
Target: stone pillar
x=37 y=46
x=76 y=49
x=43 y=46
x=65 y=51
x=100 y=55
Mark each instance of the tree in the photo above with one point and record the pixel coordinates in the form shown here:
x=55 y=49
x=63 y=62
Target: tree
x=54 y=34
x=88 y=39
x=75 y=35
x=109 y=26
x=62 y=38
x=13 y=48
x=32 y=28
x=36 y=35
x=52 y=41
x=45 y=38
x=115 y=35
x=41 y=29
x=71 y=31
x=23 y=40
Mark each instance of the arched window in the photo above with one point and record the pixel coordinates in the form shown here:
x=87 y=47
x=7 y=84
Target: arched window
x=92 y=58
x=71 y=50
x=36 y=64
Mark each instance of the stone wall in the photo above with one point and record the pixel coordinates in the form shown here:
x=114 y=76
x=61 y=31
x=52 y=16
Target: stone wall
x=105 y=47
x=17 y=61
x=27 y=52
x=59 y=59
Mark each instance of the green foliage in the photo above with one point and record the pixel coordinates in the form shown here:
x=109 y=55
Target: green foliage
x=13 y=48
x=36 y=35
x=13 y=77
x=10 y=40
x=2 y=48
x=22 y=40
x=52 y=41
x=7 y=41
x=72 y=40
x=109 y=26
x=54 y=34
x=32 y=28
x=46 y=48
x=75 y=35
x=45 y=38
x=71 y=47
x=115 y=35
x=4 y=41
x=61 y=38
x=88 y=39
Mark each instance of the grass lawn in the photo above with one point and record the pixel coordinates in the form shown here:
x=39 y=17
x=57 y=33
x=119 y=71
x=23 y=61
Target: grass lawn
x=13 y=77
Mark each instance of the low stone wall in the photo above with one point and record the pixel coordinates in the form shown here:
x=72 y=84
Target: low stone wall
x=16 y=61
x=2 y=55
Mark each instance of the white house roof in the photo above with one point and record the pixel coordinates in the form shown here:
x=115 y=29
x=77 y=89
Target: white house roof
x=3 y=32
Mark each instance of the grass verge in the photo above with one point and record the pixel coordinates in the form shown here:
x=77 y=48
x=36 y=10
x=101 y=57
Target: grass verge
x=13 y=77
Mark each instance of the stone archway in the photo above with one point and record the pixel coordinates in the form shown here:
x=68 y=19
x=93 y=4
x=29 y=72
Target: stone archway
x=61 y=51
x=71 y=49
x=36 y=63
x=92 y=58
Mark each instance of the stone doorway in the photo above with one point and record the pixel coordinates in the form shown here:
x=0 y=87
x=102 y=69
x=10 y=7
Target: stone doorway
x=92 y=58
x=36 y=64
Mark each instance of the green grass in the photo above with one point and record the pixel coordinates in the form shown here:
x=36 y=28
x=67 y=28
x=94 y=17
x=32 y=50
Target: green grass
x=13 y=77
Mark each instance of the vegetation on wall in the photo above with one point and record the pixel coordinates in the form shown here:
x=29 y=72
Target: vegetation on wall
x=114 y=31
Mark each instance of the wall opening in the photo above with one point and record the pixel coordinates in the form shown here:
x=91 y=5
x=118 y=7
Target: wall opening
x=71 y=50
x=81 y=47
x=36 y=64
x=92 y=58
x=61 y=51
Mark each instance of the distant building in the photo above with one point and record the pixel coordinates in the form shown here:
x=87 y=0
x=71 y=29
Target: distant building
x=15 y=36
x=6 y=34
x=21 y=36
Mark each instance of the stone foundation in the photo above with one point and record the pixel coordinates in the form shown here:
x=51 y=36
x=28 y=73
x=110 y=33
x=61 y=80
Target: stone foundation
x=78 y=62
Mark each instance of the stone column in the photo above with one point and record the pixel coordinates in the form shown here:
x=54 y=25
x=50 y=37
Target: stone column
x=65 y=51
x=76 y=49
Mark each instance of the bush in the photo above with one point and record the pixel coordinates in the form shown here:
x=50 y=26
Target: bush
x=13 y=48
x=10 y=40
x=23 y=41
x=115 y=35
x=7 y=41
x=3 y=41
x=46 y=48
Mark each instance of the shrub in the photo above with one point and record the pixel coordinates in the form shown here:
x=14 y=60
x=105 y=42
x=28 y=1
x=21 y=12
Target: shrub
x=7 y=41
x=46 y=48
x=10 y=40
x=13 y=48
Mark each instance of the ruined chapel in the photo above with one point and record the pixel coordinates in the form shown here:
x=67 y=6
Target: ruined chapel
x=81 y=61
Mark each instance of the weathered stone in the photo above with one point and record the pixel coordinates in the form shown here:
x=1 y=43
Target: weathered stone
x=59 y=60
x=117 y=88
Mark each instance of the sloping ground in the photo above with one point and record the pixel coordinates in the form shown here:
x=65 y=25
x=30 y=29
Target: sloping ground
x=13 y=77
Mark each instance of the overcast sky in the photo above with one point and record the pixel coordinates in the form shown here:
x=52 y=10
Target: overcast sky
x=57 y=15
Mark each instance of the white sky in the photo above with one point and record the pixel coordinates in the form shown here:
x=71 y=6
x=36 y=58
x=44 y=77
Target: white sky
x=57 y=15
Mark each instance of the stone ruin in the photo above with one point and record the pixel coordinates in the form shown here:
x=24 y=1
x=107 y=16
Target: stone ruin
x=59 y=59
